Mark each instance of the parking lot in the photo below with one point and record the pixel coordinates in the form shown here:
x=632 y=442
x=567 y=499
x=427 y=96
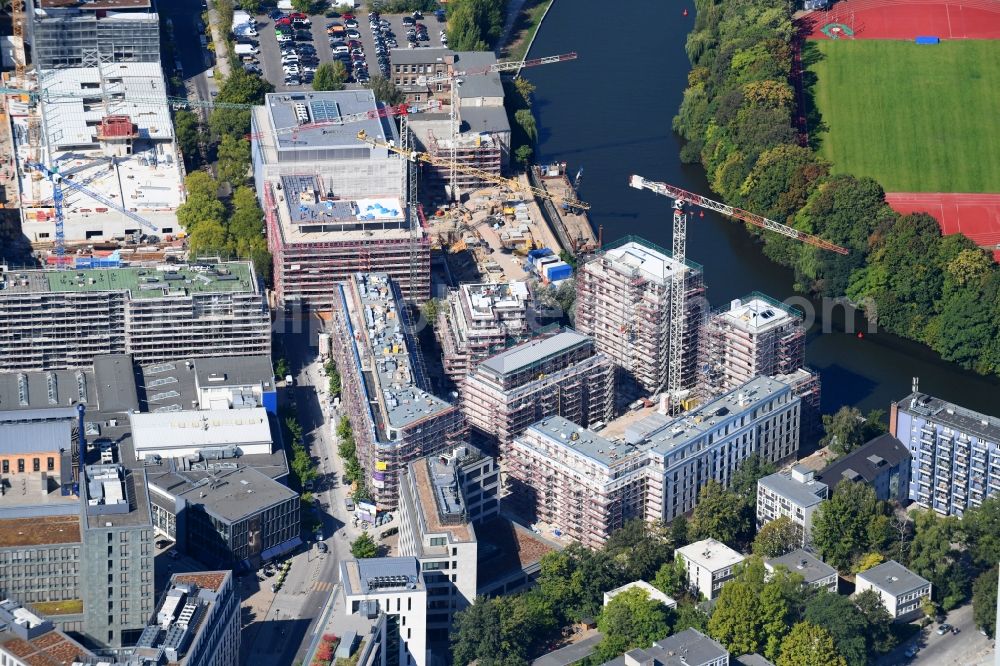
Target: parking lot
x=269 y=58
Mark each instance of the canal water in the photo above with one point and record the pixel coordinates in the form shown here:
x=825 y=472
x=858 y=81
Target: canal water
x=610 y=112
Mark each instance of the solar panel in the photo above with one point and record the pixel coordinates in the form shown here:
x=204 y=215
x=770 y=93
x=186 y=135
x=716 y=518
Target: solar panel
x=324 y=110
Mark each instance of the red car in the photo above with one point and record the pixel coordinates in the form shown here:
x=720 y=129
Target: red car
x=347 y=17
x=283 y=21
x=355 y=44
x=297 y=15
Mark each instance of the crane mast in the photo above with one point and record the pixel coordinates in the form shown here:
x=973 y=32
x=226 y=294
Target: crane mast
x=678 y=309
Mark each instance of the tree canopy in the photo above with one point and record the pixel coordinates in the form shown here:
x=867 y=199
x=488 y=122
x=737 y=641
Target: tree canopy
x=719 y=514
x=364 y=547
x=630 y=620
x=330 y=76
x=809 y=645
x=851 y=523
x=984 y=601
x=778 y=537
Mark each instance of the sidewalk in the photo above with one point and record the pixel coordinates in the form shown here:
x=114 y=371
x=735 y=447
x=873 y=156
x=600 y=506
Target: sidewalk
x=221 y=45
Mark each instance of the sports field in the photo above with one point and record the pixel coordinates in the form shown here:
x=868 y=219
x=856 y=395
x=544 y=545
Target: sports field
x=918 y=118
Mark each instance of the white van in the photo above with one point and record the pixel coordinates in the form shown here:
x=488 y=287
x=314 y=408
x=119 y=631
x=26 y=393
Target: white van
x=341 y=49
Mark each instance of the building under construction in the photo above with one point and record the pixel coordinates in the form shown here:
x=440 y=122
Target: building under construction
x=561 y=374
x=394 y=417
x=477 y=150
x=623 y=302
x=54 y=319
x=334 y=205
x=480 y=320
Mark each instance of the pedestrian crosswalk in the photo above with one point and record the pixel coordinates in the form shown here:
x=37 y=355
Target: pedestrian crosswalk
x=322 y=586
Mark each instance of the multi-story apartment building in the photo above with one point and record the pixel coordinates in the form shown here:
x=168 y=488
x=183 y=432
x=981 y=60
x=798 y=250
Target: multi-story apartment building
x=814 y=571
x=395 y=419
x=480 y=320
x=333 y=204
x=794 y=494
x=883 y=463
x=197 y=623
x=686 y=648
x=588 y=486
x=68 y=33
x=623 y=302
x=902 y=591
x=708 y=565
x=27 y=639
x=955 y=452
x=436 y=529
x=558 y=374
x=51 y=319
x=386 y=598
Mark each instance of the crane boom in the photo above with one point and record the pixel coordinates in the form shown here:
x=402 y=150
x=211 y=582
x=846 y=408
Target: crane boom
x=417 y=156
x=504 y=66
x=382 y=112
x=677 y=193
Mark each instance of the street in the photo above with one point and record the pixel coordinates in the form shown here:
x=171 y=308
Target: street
x=968 y=648
x=185 y=15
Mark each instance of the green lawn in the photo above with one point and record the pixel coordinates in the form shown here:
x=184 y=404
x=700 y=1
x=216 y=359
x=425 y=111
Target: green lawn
x=916 y=118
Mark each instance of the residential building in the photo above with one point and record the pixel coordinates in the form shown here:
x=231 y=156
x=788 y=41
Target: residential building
x=588 y=486
x=197 y=623
x=650 y=591
x=623 y=302
x=814 y=572
x=389 y=592
x=883 y=463
x=27 y=639
x=107 y=127
x=385 y=389
x=751 y=659
x=686 y=648
x=794 y=494
x=708 y=564
x=955 y=462
x=902 y=591
x=78 y=33
x=556 y=374
x=435 y=528
x=480 y=320
x=53 y=319
x=334 y=205
x=479 y=482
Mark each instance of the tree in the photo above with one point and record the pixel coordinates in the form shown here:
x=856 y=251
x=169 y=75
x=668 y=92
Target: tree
x=718 y=515
x=199 y=183
x=523 y=154
x=809 y=645
x=234 y=160
x=777 y=538
x=188 y=134
x=679 y=532
x=330 y=76
x=933 y=556
x=868 y=561
x=981 y=526
x=364 y=547
x=475 y=633
x=430 y=310
x=747 y=474
x=689 y=617
x=879 y=634
x=208 y=238
x=198 y=209
x=853 y=521
x=848 y=429
x=526 y=120
x=281 y=369
x=984 y=601
x=640 y=548
x=385 y=90
x=630 y=620
x=525 y=621
x=240 y=87
x=846 y=624
x=671 y=578
x=525 y=89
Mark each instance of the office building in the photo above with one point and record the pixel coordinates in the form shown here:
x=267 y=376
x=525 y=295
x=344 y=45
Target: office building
x=480 y=320
x=794 y=494
x=883 y=463
x=196 y=624
x=436 y=529
x=387 y=594
x=588 y=486
x=385 y=389
x=210 y=384
x=107 y=127
x=955 y=452
x=902 y=591
x=52 y=319
x=333 y=204
x=708 y=565
x=86 y=33
x=623 y=302
x=650 y=591
x=27 y=639
x=814 y=572
x=556 y=374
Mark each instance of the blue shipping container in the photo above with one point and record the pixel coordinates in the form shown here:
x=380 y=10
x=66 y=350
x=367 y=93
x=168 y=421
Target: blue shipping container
x=928 y=40
x=560 y=271
x=543 y=252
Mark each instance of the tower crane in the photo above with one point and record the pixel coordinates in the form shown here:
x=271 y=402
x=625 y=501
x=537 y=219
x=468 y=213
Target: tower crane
x=456 y=81
x=512 y=183
x=677 y=290
x=57 y=198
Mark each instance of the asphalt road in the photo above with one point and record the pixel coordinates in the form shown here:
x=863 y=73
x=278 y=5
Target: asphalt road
x=968 y=648
x=185 y=15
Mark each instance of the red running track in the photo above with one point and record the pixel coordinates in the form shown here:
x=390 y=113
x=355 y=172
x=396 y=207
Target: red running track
x=906 y=19
x=975 y=215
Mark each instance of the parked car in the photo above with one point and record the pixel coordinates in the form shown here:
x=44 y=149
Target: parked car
x=277 y=14
x=303 y=35
x=341 y=49
x=911 y=652
x=349 y=503
x=389 y=532
x=944 y=629
x=351 y=23
x=353 y=34
x=409 y=21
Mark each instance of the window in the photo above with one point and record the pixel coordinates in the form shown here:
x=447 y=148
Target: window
x=6 y=467
x=20 y=465
x=36 y=465
x=439 y=541
x=50 y=464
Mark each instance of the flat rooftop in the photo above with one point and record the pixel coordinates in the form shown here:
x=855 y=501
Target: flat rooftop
x=506 y=548
x=39 y=531
x=123 y=497
x=893 y=577
x=711 y=554
x=949 y=414
x=172 y=386
x=96 y=4
x=800 y=493
x=393 y=383
x=756 y=314
x=642 y=258
x=381 y=574
x=139 y=282
x=311 y=209
x=316 y=119
x=234 y=494
x=533 y=352
x=210 y=580
x=485 y=299
x=437 y=498
x=204 y=428
x=803 y=563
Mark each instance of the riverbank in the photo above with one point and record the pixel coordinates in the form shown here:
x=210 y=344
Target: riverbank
x=524 y=19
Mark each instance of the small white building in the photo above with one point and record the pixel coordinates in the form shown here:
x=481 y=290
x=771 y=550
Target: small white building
x=709 y=564
x=902 y=591
x=214 y=433
x=794 y=494
x=653 y=593
x=814 y=571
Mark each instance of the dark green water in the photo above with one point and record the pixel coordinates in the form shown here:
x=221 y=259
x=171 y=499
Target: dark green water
x=610 y=110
